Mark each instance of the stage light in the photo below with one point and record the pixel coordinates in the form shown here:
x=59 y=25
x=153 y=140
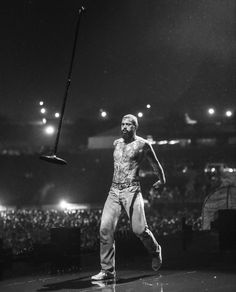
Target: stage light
x=173 y=142
x=163 y=142
x=211 y=111
x=44 y=121
x=43 y=110
x=63 y=204
x=103 y=113
x=41 y=103
x=228 y=113
x=2 y=208
x=57 y=115
x=148 y=106
x=49 y=130
x=140 y=114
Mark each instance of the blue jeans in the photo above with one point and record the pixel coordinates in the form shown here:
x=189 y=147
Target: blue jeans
x=132 y=201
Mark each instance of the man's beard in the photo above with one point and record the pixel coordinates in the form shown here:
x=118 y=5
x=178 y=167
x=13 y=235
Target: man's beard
x=127 y=134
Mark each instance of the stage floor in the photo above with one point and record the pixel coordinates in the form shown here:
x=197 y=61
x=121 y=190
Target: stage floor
x=128 y=280
x=132 y=275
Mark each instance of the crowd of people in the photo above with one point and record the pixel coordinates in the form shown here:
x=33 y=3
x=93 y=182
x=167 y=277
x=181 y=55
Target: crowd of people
x=21 y=229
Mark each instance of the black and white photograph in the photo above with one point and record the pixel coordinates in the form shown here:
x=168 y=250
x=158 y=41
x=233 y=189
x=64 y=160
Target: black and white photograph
x=118 y=145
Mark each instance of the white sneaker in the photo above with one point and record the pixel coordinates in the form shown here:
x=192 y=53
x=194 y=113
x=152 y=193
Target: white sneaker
x=101 y=284
x=157 y=260
x=104 y=275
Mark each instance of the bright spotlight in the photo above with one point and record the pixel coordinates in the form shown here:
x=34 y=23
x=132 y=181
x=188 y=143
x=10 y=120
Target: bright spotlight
x=63 y=204
x=43 y=110
x=57 y=115
x=49 y=130
x=44 y=121
x=41 y=103
x=228 y=113
x=2 y=208
x=140 y=114
x=173 y=142
x=103 y=114
x=211 y=111
x=163 y=142
x=148 y=106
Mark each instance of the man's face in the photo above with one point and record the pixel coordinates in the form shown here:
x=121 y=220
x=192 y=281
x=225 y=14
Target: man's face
x=127 y=128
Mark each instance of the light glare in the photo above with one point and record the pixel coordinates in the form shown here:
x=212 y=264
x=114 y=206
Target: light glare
x=63 y=204
x=49 y=130
x=228 y=113
x=163 y=142
x=103 y=113
x=211 y=111
x=173 y=142
x=2 y=208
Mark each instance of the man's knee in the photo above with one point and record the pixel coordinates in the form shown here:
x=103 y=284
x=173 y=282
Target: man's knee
x=138 y=231
x=106 y=233
x=142 y=233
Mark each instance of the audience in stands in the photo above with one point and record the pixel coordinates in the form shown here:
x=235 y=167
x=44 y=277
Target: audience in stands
x=21 y=229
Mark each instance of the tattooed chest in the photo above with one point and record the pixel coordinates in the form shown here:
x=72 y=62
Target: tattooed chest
x=126 y=154
x=126 y=162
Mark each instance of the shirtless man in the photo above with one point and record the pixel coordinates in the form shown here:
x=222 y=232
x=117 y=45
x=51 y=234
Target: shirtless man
x=129 y=152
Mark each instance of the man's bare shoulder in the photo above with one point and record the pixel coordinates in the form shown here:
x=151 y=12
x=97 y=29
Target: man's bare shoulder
x=141 y=140
x=143 y=143
x=117 y=141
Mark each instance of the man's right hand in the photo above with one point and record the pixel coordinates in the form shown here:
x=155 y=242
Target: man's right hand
x=158 y=185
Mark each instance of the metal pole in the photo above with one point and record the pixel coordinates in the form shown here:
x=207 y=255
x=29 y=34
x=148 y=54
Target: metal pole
x=68 y=80
x=53 y=157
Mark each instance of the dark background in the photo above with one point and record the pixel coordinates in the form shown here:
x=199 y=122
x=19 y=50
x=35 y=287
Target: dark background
x=172 y=54
x=178 y=56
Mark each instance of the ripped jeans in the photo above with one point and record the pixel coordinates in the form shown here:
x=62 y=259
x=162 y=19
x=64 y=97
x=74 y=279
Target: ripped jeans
x=132 y=201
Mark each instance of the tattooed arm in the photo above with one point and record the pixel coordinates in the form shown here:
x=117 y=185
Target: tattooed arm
x=158 y=170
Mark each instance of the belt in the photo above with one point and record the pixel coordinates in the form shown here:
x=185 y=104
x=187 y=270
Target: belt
x=121 y=186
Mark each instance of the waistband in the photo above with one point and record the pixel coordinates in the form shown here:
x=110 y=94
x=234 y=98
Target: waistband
x=121 y=186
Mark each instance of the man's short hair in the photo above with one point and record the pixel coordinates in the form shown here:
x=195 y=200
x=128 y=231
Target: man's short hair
x=133 y=119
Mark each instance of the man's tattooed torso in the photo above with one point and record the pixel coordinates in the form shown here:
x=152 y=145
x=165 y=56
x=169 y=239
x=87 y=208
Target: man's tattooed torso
x=127 y=159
